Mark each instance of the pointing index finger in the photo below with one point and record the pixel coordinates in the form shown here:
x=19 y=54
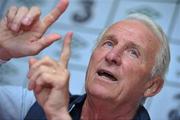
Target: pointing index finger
x=66 y=50
x=55 y=13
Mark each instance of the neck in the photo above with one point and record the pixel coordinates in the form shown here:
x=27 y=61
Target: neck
x=95 y=109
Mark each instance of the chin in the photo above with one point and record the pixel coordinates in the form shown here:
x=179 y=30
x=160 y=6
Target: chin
x=98 y=91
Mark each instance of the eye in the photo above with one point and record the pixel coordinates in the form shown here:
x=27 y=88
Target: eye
x=108 y=44
x=133 y=52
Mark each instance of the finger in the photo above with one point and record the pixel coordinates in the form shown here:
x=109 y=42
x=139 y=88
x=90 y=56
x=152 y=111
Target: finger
x=48 y=80
x=66 y=50
x=38 y=72
x=33 y=14
x=11 y=14
x=46 y=61
x=45 y=41
x=31 y=84
x=55 y=13
x=38 y=87
x=32 y=61
x=42 y=94
x=22 y=11
x=43 y=81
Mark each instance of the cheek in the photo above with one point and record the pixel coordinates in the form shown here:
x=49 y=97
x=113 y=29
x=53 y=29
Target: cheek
x=130 y=89
x=133 y=69
x=134 y=77
x=129 y=69
x=133 y=80
x=95 y=60
x=91 y=70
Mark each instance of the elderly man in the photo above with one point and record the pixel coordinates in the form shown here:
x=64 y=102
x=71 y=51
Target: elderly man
x=127 y=65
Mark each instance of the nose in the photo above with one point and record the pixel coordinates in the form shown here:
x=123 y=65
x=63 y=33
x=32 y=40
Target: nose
x=113 y=57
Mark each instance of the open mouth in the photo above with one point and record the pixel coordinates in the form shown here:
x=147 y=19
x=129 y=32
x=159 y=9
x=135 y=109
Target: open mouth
x=106 y=74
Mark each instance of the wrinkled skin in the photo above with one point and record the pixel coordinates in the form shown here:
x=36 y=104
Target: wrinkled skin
x=120 y=68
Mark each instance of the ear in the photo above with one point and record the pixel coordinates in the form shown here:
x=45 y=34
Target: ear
x=153 y=86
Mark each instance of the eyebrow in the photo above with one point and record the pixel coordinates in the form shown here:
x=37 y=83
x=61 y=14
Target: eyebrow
x=132 y=44
x=110 y=37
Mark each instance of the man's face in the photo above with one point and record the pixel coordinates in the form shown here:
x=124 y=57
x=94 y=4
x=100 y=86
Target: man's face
x=121 y=64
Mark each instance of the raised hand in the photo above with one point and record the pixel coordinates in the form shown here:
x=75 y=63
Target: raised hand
x=21 y=31
x=49 y=79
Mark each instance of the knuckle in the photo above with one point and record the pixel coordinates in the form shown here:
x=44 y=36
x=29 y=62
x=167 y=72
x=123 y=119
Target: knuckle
x=41 y=68
x=51 y=18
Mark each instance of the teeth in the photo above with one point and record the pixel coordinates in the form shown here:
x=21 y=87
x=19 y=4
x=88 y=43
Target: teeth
x=107 y=74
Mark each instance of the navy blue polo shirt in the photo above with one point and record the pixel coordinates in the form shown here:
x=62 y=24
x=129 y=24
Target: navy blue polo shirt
x=75 y=108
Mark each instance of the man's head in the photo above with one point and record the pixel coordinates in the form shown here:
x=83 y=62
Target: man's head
x=129 y=61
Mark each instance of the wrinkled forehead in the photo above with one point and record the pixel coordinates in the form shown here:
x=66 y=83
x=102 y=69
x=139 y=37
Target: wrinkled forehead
x=133 y=30
x=131 y=26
